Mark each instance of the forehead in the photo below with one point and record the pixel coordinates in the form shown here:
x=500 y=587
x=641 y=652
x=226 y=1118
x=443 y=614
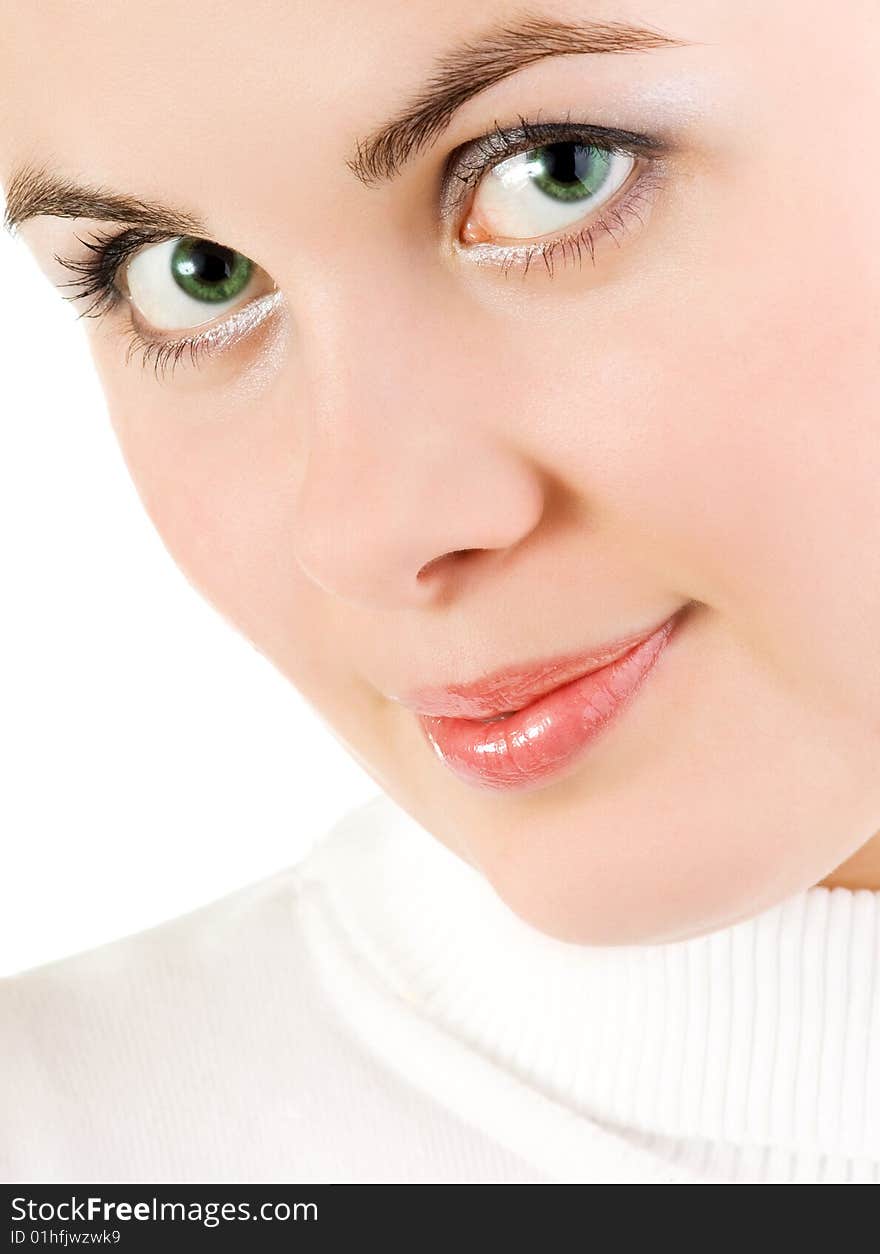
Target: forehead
x=244 y=69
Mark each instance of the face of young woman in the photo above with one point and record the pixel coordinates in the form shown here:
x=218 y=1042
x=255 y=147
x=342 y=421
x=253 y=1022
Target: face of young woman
x=426 y=405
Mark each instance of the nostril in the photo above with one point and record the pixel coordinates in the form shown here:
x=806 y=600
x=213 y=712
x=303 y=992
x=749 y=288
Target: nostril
x=443 y=558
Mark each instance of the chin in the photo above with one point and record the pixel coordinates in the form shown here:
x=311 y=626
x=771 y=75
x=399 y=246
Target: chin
x=635 y=900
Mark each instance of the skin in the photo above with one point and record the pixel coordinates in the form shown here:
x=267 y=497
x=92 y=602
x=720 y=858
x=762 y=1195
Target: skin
x=694 y=418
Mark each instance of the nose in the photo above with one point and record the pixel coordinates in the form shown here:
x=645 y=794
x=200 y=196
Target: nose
x=406 y=464
x=383 y=521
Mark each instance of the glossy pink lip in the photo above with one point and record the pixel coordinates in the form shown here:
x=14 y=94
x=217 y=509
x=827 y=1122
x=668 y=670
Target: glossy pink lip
x=513 y=687
x=544 y=735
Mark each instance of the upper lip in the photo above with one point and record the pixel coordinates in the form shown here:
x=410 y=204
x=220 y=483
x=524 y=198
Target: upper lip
x=513 y=687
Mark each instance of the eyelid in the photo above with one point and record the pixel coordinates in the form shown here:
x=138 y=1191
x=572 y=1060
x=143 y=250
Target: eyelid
x=466 y=164
x=222 y=331
x=165 y=353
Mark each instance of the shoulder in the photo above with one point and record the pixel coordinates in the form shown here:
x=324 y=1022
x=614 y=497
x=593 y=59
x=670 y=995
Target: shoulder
x=138 y=1038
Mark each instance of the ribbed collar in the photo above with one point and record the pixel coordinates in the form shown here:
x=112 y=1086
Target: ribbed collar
x=766 y=1033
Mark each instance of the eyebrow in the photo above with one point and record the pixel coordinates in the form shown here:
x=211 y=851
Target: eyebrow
x=33 y=191
x=470 y=68
x=458 y=76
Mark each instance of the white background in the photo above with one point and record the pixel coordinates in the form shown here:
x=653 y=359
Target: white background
x=148 y=752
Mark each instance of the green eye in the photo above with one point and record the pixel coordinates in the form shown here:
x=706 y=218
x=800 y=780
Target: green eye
x=208 y=271
x=569 y=171
x=545 y=189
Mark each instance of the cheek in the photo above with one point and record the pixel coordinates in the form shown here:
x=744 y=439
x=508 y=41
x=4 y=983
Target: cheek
x=217 y=479
x=776 y=465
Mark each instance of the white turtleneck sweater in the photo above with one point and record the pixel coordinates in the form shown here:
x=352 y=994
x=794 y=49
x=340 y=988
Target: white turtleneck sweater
x=375 y=1013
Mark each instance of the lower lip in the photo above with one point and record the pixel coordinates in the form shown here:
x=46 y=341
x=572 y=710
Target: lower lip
x=542 y=741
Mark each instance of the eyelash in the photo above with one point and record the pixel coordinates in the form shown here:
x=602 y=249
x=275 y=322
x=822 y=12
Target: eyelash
x=98 y=271
x=464 y=168
x=470 y=162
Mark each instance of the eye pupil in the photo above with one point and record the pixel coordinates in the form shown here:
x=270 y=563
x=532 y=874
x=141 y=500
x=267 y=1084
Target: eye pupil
x=208 y=271
x=561 y=161
x=207 y=268
x=570 y=171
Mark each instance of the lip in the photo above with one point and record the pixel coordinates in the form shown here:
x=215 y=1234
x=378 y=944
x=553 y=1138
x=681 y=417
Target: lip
x=513 y=687
x=551 y=713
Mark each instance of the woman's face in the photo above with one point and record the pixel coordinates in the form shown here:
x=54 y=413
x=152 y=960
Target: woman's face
x=513 y=399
